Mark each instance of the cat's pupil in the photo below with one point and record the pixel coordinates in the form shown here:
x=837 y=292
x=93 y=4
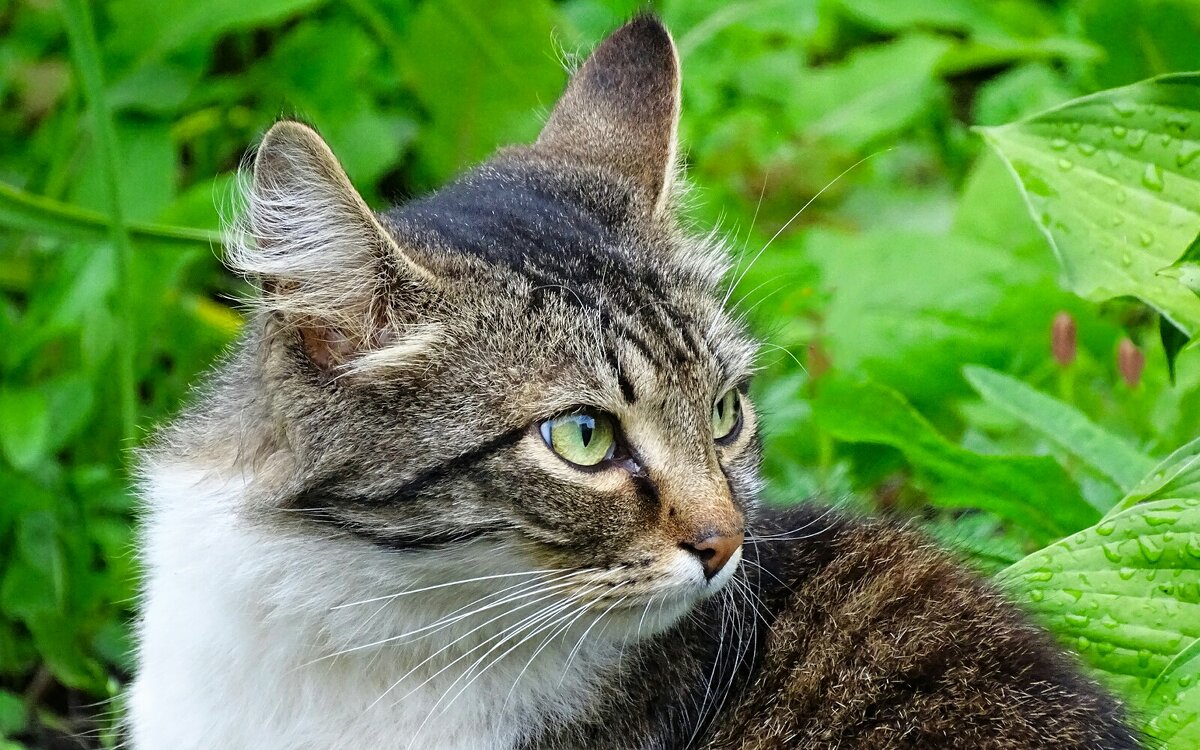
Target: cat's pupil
x=587 y=426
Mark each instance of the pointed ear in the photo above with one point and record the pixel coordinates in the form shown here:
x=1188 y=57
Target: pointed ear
x=325 y=264
x=621 y=109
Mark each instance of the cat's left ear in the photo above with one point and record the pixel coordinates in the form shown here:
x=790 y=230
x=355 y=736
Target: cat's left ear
x=621 y=110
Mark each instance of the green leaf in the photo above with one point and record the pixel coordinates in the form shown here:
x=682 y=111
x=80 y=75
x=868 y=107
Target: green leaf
x=24 y=426
x=1063 y=425
x=32 y=213
x=1173 y=705
x=1124 y=593
x=1176 y=476
x=1114 y=182
x=1031 y=491
x=877 y=92
x=986 y=303
x=12 y=713
x=500 y=77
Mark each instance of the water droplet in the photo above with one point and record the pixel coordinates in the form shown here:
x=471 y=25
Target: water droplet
x=1110 y=622
x=1126 y=259
x=1151 y=549
x=1143 y=657
x=1113 y=158
x=1119 y=131
x=1108 y=527
x=1087 y=149
x=1039 y=575
x=1075 y=127
x=1188 y=152
x=1104 y=648
x=1136 y=139
x=1058 y=144
x=1075 y=594
x=1126 y=573
x=1065 y=164
x=1124 y=108
x=1185 y=680
x=1179 y=122
x=1152 y=178
x=1037 y=595
x=1111 y=552
x=1146 y=239
x=1193 y=545
x=1120 y=195
x=1159 y=518
x=1151 y=574
x=1077 y=621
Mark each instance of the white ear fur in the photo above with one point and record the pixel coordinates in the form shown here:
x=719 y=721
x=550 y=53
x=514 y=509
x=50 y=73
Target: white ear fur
x=323 y=261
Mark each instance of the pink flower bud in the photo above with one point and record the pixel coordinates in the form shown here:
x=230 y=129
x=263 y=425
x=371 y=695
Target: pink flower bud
x=1062 y=339
x=1131 y=362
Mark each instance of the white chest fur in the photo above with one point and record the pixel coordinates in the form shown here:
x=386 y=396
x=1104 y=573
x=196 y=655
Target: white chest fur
x=239 y=625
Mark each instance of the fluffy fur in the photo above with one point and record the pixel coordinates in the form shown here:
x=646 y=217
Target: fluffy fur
x=358 y=536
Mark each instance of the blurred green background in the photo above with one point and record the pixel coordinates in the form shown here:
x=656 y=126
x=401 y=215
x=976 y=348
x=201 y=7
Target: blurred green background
x=879 y=246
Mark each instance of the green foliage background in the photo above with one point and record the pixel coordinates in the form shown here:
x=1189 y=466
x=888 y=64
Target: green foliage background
x=881 y=248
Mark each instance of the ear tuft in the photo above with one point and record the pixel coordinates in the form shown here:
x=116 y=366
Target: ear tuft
x=621 y=109
x=325 y=265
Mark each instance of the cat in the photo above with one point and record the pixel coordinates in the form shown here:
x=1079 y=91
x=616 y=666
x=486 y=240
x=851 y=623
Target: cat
x=482 y=473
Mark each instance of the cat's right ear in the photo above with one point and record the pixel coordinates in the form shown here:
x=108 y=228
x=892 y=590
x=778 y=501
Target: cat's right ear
x=327 y=268
x=621 y=110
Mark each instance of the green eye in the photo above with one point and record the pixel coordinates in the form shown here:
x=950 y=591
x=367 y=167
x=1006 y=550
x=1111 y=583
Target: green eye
x=584 y=438
x=726 y=414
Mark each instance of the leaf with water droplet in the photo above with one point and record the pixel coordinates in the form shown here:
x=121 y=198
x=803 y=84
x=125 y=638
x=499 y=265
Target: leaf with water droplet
x=1173 y=702
x=1130 y=587
x=1147 y=176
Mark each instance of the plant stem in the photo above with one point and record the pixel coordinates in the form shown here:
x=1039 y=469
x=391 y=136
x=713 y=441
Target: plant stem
x=86 y=55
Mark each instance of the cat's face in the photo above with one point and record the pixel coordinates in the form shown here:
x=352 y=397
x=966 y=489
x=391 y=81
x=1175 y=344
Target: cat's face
x=533 y=362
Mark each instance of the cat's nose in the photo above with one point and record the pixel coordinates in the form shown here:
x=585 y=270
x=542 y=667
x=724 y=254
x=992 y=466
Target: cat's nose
x=714 y=551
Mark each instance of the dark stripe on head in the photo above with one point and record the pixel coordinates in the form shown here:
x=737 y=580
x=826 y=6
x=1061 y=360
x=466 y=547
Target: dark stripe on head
x=623 y=383
x=332 y=490
x=395 y=541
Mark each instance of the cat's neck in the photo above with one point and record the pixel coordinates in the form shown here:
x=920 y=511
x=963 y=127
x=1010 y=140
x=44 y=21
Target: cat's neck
x=327 y=648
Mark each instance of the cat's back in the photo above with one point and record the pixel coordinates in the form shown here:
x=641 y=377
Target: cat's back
x=875 y=639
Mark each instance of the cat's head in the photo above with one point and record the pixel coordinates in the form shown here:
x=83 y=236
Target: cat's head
x=533 y=363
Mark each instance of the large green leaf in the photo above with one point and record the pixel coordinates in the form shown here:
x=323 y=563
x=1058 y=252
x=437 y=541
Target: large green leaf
x=1124 y=593
x=1176 y=476
x=1174 y=701
x=1032 y=491
x=1064 y=425
x=1114 y=181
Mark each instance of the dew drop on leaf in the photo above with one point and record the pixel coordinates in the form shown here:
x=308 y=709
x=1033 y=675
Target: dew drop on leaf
x=1065 y=164
x=1126 y=573
x=1152 y=178
x=1143 y=657
x=1119 y=131
x=1058 y=144
x=1150 y=549
x=1037 y=595
x=1178 y=122
x=1136 y=139
x=1106 y=528
x=1087 y=149
x=1077 y=621
x=1146 y=239
x=1111 y=552
x=1124 y=108
x=1158 y=518
x=1187 y=153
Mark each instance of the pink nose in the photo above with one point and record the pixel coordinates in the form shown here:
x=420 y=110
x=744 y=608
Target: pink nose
x=714 y=551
